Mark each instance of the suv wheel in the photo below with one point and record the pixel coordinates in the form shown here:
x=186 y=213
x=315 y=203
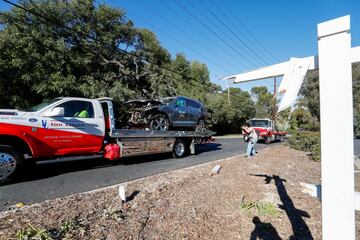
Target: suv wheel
x=10 y=162
x=159 y=123
x=201 y=126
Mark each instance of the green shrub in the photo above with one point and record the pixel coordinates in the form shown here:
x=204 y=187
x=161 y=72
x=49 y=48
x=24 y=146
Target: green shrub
x=306 y=141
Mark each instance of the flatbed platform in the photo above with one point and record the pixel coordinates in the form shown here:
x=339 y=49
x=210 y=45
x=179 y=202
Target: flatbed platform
x=128 y=133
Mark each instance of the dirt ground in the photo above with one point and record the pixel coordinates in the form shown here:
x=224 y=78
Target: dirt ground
x=190 y=204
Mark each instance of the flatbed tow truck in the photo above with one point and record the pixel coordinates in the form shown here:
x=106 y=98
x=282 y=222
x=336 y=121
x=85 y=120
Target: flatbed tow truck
x=79 y=128
x=266 y=130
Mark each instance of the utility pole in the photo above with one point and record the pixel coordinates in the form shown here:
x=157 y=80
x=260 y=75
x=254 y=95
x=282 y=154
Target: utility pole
x=228 y=90
x=273 y=114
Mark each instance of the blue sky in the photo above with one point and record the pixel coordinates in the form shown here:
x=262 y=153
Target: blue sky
x=285 y=28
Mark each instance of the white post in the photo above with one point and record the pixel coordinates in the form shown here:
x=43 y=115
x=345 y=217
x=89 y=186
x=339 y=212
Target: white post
x=337 y=150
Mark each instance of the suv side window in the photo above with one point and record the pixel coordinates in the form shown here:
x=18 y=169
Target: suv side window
x=79 y=109
x=180 y=102
x=193 y=104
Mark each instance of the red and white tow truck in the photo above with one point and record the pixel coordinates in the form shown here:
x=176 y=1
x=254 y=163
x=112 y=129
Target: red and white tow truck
x=266 y=130
x=77 y=128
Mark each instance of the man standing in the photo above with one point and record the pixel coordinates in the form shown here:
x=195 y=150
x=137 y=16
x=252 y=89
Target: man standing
x=251 y=137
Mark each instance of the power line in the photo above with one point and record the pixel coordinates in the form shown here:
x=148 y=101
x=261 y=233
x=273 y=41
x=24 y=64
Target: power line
x=181 y=43
x=250 y=41
x=203 y=35
x=220 y=29
x=250 y=33
x=191 y=37
x=95 y=40
x=214 y=32
x=232 y=32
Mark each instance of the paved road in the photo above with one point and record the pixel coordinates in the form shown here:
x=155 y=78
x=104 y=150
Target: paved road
x=48 y=181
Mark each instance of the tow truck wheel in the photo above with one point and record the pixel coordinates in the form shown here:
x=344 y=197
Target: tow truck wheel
x=180 y=149
x=10 y=161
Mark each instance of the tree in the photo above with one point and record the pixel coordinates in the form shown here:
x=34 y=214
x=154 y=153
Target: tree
x=227 y=118
x=264 y=102
x=300 y=118
x=310 y=93
x=44 y=59
x=88 y=50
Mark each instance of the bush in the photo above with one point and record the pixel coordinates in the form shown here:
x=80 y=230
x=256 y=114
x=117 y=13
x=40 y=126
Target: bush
x=306 y=141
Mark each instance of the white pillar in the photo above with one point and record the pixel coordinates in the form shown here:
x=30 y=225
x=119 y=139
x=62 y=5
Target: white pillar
x=337 y=150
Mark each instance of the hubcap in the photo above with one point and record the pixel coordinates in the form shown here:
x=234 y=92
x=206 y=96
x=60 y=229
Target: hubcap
x=7 y=165
x=180 y=149
x=160 y=124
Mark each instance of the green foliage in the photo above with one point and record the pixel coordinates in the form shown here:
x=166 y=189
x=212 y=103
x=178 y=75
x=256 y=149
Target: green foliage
x=46 y=60
x=310 y=91
x=227 y=117
x=69 y=229
x=300 y=118
x=264 y=102
x=306 y=141
x=259 y=208
x=33 y=233
x=356 y=96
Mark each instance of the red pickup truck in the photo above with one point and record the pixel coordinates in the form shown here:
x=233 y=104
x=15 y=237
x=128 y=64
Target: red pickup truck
x=77 y=128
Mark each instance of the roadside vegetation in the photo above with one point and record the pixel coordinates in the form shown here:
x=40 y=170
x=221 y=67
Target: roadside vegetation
x=306 y=141
x=258 y=208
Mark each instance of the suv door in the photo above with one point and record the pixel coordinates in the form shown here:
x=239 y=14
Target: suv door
x=195 y=112
x=79 y=131
x=181 y=113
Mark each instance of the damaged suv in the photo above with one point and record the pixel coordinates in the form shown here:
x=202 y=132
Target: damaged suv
x=167 y=113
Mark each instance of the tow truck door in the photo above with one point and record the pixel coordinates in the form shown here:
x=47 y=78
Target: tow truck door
x=79 y=131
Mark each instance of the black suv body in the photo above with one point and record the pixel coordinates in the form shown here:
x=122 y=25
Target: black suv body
x=163 y=114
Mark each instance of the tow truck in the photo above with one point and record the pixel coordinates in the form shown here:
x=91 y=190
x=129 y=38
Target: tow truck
x=266 y=130
x=71 y=128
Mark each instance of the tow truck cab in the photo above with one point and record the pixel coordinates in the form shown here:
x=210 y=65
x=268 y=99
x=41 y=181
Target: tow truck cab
x=266 y=130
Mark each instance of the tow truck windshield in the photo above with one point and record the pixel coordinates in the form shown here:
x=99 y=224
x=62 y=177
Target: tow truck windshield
x=42 y=105
x=259 y=123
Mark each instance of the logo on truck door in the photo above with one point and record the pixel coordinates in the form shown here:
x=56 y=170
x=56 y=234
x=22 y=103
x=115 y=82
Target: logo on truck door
x=43 y=123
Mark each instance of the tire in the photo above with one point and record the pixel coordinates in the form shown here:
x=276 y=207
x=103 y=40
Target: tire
x=180 y=149
x=11 y=160
x=159 y=122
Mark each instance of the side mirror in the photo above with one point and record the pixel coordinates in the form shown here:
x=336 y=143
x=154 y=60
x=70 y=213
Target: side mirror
x=55 y=112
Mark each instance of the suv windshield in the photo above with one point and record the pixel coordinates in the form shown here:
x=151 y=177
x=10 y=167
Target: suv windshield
x=259 y=123
x=42 y=105
x=167 y=100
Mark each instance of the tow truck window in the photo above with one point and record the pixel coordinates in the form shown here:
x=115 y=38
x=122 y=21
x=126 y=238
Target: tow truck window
x=260 y=123
x=42 y=105
x=78 y=109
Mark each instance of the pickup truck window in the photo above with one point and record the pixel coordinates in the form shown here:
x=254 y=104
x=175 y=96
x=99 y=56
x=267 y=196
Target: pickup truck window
x=78 y=109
